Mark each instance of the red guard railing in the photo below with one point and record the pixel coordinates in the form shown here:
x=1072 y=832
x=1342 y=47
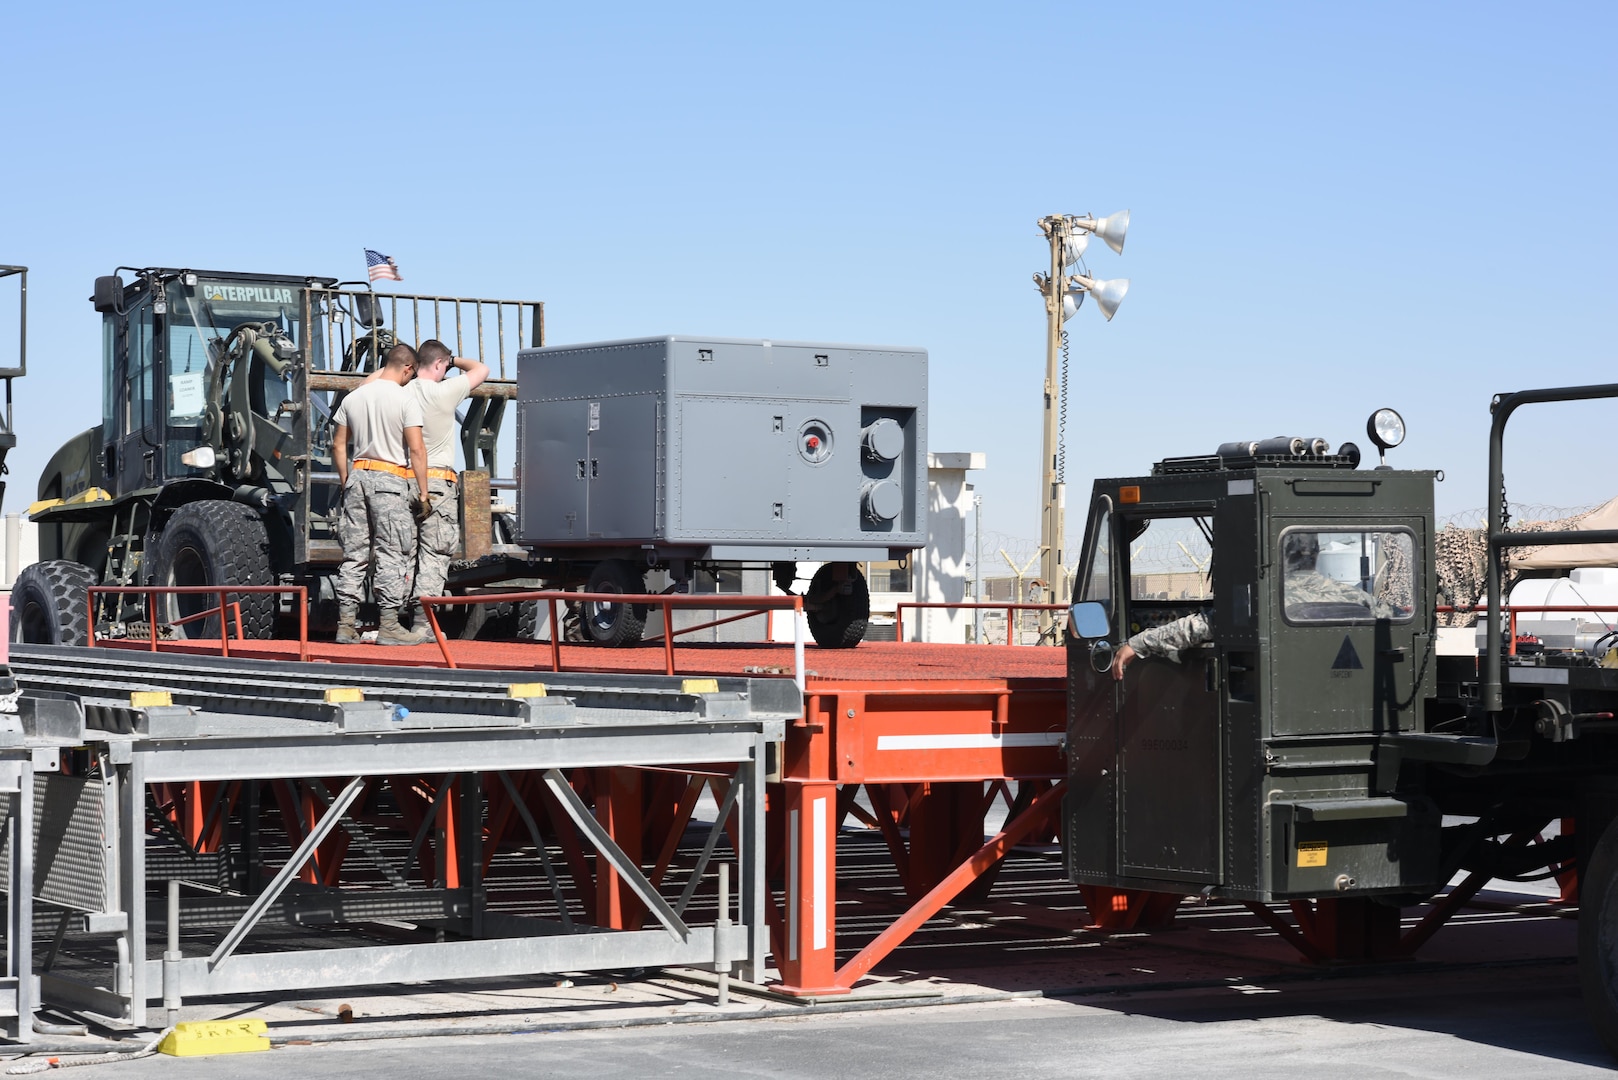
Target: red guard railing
x=1008 y=608
x=752 y=606
x=152 y=592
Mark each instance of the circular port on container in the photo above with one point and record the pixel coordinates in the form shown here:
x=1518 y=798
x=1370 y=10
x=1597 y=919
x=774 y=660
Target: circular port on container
x=884 y=439
x=881 y=500
x=815 y=442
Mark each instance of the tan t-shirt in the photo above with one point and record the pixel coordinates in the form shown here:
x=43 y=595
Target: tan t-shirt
x=438 y=402
x=376 y=416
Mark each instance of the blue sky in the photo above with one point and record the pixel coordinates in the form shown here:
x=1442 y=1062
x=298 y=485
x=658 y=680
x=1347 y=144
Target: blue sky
x=1336 y=207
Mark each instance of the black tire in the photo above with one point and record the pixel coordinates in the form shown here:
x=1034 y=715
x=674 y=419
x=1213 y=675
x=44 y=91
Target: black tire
x=614 y=624
x=214 y=543
x=50 y=603
x=490 y=622
x=1598 y=937
x=839 y=621
x=528 y=620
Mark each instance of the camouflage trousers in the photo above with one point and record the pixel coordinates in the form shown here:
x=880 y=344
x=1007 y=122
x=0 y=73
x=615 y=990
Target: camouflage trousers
x=438 y=539
x=378 y=534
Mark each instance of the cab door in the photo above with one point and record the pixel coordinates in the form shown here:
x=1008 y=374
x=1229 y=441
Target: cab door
x=1170 y=763
x=1089 y=820
x=1347 y=662
x=132 y=463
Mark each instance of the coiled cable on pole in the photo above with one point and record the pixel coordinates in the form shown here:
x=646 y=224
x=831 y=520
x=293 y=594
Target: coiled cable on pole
x=1061 y=420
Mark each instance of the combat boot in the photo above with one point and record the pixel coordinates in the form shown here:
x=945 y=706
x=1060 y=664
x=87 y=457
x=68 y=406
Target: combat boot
x=394 y=634
x=347 y=632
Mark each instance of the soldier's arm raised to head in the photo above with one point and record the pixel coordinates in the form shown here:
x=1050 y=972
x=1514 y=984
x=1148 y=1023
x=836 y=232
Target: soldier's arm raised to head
x=474 y=370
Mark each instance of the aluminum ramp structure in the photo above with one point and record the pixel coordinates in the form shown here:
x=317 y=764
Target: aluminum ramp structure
x=396 y=788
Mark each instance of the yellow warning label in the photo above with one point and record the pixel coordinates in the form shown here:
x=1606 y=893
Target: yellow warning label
x=215 y=1037
x=525 y=689
x=1312 y=853
x=149 y=699
x=699 y=686
x=337 y=695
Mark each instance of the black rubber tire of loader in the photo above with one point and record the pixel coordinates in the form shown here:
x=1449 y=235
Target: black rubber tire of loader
x=214 y=542
x=615 y=624
x=841 y=623
x=533 y=612
x=50 y=603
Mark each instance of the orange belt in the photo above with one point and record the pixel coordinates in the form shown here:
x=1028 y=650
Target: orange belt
x=373 y=465
x=444 y=474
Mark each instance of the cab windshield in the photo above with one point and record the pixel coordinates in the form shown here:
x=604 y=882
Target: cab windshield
x=200 y=320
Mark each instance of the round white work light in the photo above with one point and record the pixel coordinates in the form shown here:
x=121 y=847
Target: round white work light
x=1386 y=428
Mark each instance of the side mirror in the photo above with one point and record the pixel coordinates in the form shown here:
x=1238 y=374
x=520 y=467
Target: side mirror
x=367 y=311
x=109 y=293
x=1088 y=620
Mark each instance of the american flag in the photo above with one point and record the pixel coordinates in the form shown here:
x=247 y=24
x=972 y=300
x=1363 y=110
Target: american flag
x=378 y=267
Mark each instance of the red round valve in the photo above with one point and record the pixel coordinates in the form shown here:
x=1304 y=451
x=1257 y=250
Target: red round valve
x=814 y=442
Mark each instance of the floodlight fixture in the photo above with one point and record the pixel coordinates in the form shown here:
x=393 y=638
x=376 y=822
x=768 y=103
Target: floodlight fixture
x=1386 y=428
x=1063 y=290
x=1108 y=294
x=1072 y=300
x=1111 y=228
x=1073 y=247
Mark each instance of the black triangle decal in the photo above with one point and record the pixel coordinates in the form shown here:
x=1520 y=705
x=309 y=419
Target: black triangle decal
x=1347 y=658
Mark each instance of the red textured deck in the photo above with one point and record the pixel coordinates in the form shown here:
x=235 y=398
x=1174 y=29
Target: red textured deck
x=871 y=661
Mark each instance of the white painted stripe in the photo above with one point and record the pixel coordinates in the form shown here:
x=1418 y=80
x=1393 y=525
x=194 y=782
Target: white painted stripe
x=792 y=885
x=822 y=909
x=969 y=741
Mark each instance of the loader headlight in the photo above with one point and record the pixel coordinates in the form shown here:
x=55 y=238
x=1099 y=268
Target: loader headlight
x=199 y=457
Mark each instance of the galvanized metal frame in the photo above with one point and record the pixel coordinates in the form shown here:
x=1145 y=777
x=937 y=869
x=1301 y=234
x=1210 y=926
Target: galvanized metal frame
x=17 y=1000
x=656 y=724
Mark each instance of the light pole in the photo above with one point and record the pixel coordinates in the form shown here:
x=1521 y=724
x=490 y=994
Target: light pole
x=1068 y=236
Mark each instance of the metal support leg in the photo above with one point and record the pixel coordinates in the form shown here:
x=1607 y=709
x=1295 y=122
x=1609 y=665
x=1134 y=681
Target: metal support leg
x=171 y=959
x=810 y=965
x=20 y=901
x=721 y=955
x=127 y=785
x=752 y=886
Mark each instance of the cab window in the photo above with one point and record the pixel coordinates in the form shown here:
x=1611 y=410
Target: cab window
x=1096 y=583
x=1348 y=575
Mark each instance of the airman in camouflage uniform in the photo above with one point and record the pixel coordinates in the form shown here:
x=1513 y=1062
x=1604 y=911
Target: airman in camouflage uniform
x=1168 y=640
x=384 y=486
x=1306 y=587
x=440 y=535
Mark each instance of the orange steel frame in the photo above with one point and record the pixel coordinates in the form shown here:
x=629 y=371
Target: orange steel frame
x=930 y=756
x=923 y=752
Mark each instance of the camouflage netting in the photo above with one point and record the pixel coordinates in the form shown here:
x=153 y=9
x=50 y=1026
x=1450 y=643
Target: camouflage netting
x=1462 y=577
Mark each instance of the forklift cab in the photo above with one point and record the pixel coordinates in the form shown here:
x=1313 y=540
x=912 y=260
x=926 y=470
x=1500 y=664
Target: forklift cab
x=1265 y=761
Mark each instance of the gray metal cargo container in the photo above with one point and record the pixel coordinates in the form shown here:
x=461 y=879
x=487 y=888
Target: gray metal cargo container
x=722 y=449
